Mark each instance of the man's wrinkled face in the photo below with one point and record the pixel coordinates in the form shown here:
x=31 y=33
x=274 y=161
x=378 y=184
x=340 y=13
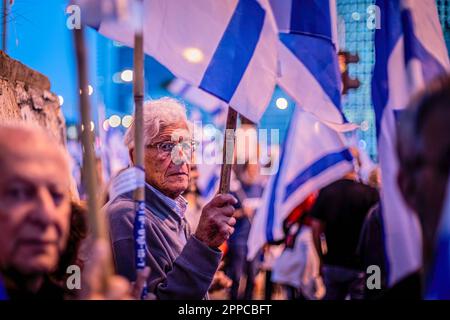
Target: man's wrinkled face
x=34 y=207
x=168 y=169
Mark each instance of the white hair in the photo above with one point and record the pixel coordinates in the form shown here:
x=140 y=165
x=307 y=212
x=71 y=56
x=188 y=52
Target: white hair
x=158 y=114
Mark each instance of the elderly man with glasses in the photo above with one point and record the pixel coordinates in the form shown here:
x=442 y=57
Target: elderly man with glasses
x=182 y=263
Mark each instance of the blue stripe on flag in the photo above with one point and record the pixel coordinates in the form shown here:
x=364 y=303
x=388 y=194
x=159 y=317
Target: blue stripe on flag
x=210 y=186
x=235 y=50
x=273 y=194
x=273 y=199
x=438 y=277
x=439 y=281
x=3 y=295
x=315 y=169
x=305 y=15
x=385 y=40
x=319 y=57
x=414 y=49
x=184 y=90
x=218 y=110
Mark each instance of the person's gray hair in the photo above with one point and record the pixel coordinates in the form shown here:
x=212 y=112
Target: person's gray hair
x=158 y=114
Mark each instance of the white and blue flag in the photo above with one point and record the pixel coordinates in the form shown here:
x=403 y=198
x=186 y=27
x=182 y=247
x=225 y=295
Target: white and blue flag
x=409 y=52
x=215 y=107
x=227 y=48
x=313 y=156
x=309 y=68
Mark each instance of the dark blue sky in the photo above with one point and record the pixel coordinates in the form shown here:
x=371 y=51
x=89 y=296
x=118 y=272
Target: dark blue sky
x=39 y=38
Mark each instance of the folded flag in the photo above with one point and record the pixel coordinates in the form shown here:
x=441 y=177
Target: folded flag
x=207 y=102
x=226 y=48
x=409 y=52
x=313 y=156
x=309 y=68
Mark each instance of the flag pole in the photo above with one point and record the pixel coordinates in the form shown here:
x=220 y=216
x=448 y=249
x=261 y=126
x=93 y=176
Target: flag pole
x=138 y=152
x=228 y=151
x=5 y=14
x=97 y=224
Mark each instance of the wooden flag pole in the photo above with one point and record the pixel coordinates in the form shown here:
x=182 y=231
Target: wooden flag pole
x=138 y=91
x=228 y=151
x=5 y=30
x=97 y=224
x=138 y=152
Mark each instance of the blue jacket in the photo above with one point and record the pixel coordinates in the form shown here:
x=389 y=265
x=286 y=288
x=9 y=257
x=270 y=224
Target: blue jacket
x=182 y=267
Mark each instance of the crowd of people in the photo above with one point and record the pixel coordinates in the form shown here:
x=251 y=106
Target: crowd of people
x=196 y=248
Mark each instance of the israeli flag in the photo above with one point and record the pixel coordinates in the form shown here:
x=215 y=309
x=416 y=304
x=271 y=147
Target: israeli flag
x=438 y=286
x=309 y=68
x=313 y=156
x=410 y=51
x=215 y=107
x=227 y=48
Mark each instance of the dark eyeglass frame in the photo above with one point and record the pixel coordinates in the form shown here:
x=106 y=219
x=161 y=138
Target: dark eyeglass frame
x=167 y=146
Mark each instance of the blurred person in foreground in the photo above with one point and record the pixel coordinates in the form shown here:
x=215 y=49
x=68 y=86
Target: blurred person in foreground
x=423 y=147
x=338 y=215
x=247 y=188
x=35 y=221
x=183 y=263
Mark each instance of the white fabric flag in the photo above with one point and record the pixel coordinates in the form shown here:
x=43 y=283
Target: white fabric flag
x=309 y=68
x=410 y=51
x=227 y=48
x=313 y=156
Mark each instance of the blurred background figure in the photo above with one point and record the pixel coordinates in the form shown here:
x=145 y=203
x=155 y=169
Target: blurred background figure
x=371 y=251
x=338 y=216
x=194 y=199
x=77 y=250
x=371 y=244
x=297 y=268
x=247 y=188
x=423 y=147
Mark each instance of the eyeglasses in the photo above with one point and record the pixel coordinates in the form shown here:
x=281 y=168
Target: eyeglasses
x=166 y=147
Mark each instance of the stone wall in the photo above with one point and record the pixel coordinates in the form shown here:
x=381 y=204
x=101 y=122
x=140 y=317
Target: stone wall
x=25 y=95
